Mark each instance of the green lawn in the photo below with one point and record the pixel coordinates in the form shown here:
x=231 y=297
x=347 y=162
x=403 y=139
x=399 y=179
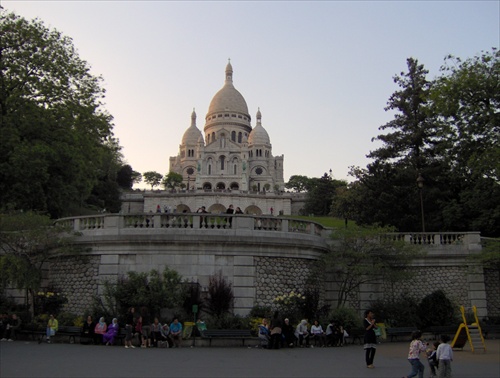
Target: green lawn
x=324 y=221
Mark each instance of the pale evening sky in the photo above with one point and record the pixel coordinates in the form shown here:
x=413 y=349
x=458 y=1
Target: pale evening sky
x=320 y=72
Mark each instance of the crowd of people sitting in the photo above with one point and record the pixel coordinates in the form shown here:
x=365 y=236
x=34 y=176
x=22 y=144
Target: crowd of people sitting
x=137 y=327
x=277 y=334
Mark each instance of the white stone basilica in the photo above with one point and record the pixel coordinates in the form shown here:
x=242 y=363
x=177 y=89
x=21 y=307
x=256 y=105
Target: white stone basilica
x=233 y=155
x=230 y=163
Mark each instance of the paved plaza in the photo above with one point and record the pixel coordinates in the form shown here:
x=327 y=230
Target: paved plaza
x=28 y=359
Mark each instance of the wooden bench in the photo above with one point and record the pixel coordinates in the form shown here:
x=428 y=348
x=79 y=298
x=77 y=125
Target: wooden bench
x=395 y=332
x=70 y=331
x=355 y=334
x=242 y=334
x=489 y=329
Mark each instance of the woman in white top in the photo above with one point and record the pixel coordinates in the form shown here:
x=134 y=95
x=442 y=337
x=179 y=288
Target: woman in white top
x=318 y=334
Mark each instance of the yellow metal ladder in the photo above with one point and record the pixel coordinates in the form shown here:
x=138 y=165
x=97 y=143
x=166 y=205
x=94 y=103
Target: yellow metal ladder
x=473 y=332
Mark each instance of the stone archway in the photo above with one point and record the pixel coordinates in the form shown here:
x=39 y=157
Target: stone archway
x=183 y=208
x=207 y=186
x=217 y=208
x=253 y=210
x=220 y=186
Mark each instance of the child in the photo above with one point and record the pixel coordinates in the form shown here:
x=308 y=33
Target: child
x=444 y=355
x=432 y=359
x=416 y=347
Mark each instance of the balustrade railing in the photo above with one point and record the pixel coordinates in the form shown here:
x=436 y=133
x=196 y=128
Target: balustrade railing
x=208 y=221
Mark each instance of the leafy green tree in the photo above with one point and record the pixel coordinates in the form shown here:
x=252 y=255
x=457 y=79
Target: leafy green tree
x=364 y=255
x=298 y=183
x=172 y=180
x=27 y=241
x=152 y=178
x=467 y=99
x=53 y=127
x=436 y=309
x=127 y=177
x=321 y=193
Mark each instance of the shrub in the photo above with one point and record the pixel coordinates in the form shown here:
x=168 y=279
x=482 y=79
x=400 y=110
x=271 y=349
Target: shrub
x=397 y=312
x=436 y=310
x=346 y=317
x=220 y=296
x=289 y=305
x=66 y=319
x=260 y=312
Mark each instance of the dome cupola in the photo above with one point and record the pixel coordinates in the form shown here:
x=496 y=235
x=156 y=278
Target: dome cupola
x=192 y=135
x=259 y=135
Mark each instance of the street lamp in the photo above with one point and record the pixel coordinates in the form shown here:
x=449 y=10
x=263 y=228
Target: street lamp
x=188 y=183
x=420 y=183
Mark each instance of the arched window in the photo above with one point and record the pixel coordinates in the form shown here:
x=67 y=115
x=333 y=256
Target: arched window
x=222 y=140
x=233 y=136
x=213 y=137
x=240 y=137
x=208 y=139
x=235 y=169
x=222 y=161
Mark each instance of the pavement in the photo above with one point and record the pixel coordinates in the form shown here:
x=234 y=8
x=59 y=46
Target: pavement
x=29 y=359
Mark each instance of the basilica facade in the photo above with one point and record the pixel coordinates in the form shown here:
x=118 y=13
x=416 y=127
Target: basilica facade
x=230 y=154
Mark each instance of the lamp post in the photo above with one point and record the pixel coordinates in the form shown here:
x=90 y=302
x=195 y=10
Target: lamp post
x=188 y=183
x=420 y=183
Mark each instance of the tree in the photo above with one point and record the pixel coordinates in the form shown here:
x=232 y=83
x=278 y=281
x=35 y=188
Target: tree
x=127 y=177
x=467 y=98
x=321 y=193
x=172 y=180
x=364 y=255
x=152 y=178
x=53 y=127
x=298 y=183
x=220 y=296
x=27 y=241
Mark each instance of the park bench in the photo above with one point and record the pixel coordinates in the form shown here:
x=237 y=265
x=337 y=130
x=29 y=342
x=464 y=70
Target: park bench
x=242 y=334
x=490 y=329
x=70 y=331
x=355 y=334
x=396 y=332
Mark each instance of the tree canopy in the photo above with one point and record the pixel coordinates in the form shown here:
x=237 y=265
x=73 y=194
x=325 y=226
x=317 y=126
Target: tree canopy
x=57 y=141
x=447 y=131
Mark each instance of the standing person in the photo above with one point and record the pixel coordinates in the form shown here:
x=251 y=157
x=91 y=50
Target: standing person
x=146 y=326
x=138 y=329
x=370 y=340
x=444 y=355
x=276 y=331
x=238 y=211
x=230 y=210
x=416 y=347
x=432 y=358
x=52 y=327
x=129 y=327
x=176 y=332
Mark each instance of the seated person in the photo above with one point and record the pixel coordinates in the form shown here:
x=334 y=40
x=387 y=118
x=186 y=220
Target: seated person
x=52 y=327
x=156 y=334
x=176 y=332
x=109 y=337
x=318 y=334
x=99 y=330
x=87 y=335
x=288 y=333
x=302 y=334
x=12 y=327
x=165 y=332
x=264 y=334
x=332 y=334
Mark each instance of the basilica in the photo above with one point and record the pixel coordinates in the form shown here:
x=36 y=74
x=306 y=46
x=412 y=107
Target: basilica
x=233 y=155
x=230 y=162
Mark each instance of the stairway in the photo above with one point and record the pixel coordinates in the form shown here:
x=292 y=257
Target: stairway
x=476 y=339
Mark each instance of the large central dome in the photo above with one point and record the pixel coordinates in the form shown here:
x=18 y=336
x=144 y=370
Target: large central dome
x=228 y=99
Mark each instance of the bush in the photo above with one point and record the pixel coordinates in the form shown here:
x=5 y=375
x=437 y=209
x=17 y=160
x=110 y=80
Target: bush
x=346 y=317
x=260 y=312
x=436 y=310
x=398 y=312
x=66 y=319
x=220 y=296
x=226 y=321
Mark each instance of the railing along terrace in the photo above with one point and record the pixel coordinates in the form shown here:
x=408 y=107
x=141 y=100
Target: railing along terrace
x=434 y=238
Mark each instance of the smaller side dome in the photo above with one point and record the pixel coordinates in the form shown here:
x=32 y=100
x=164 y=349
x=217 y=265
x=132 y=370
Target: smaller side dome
x=259 y=135
x=192 y=135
